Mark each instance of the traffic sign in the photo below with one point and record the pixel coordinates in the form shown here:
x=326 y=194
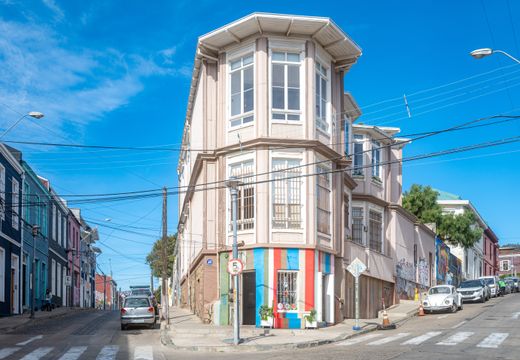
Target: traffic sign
x=235 y=266
x=356 y=267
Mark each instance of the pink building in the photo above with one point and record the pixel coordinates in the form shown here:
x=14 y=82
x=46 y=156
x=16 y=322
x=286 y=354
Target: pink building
x=74 y=259
x=490 y=251
x=509 y=260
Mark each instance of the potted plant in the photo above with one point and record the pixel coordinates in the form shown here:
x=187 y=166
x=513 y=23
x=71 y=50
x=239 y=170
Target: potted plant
x=266 y=316
x=310 y=320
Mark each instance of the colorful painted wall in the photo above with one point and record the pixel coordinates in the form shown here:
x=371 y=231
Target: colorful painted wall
x=442 y=256
x=267 y=262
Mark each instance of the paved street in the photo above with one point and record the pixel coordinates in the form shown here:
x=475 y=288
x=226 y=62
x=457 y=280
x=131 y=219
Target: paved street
x=480 y=331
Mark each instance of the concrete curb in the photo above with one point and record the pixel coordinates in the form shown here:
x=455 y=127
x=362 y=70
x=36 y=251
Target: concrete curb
x=54 y=316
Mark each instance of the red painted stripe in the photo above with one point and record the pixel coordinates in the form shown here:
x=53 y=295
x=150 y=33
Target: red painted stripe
x=309 y=279
x=276 y=264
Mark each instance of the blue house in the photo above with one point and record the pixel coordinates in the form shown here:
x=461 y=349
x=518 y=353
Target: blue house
x=10 y=232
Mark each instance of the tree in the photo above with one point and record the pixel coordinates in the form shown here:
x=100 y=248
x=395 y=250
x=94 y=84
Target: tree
x=155 y=257
x=455 y=229
x=422 y=202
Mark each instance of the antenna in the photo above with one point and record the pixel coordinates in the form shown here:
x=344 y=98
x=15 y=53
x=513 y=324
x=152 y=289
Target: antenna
x=407 y=107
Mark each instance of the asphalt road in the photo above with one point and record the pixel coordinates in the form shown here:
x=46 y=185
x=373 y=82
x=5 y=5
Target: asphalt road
x=480 y=331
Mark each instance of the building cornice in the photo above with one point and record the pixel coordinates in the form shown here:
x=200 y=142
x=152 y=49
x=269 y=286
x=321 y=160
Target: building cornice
x=370 y=198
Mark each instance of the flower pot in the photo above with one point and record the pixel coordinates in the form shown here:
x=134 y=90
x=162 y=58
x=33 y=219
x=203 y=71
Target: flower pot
x=311 y=324
x=267 y=323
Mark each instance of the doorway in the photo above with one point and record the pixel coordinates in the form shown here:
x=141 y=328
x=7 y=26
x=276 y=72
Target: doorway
x=15 y=284
x=249 y=298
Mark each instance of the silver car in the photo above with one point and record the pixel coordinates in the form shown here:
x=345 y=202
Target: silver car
x=474 y=290
x=137 y=310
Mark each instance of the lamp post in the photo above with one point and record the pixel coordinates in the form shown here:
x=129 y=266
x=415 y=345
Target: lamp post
x=35 y=230
x=232 y=183
x=480 y=53
x=33 y=114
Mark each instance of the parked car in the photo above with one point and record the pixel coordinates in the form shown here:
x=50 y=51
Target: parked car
x=442 y=297
x=492 y=282
x=137 y=310
x=510 y=285
x=516 y=287
x=474 y=290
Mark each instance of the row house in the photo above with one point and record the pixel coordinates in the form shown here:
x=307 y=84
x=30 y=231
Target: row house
x=490 y=253
x=267 y=106
x=49 y=257
x=472 y=258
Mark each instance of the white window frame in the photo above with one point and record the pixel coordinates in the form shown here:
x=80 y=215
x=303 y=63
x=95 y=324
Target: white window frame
x=53 y=276
x=54 y=222
x=327 y=170
x=233 y=162
x=376 y=160
x=15 y=203
x=60 y=239
x=2 y=274
x=2 y=191
x=284 y=177
x=503 y=262
x=347 y=130
x=358 y=139
x=58 y=280
x=322 y=122
x=244 y=53
x=286 y=112
x=380 y=212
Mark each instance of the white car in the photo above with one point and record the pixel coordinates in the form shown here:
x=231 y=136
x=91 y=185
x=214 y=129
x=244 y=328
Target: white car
x=442 y=297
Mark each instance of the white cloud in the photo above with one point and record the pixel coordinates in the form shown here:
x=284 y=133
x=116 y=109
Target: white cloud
x=72 y=87
x=58 y=12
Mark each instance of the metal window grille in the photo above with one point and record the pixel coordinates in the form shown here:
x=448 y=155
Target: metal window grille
x=246 y=195
x=323 y=199
x=376 y=231
x=358 y=155
x=287 y=290
x=357 y=225
x=346 y=214
x=286 y=192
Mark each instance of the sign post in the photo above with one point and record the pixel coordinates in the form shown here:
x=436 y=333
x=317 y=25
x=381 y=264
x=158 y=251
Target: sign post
x=356 y=268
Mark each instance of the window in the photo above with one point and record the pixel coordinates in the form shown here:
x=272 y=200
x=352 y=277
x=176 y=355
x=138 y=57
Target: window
x=53 y=227
x=321 y=86
x=323 y=199
x=246 y=195
x=27 y=205
x=242 y=90
x=286 y=290
x=376 y=159
x=59 y=229
x=58 y=283
x=358 y=155
x=53 y=277
x=375 y=230
x=357 y=225
x=505 y=265
x=38 y=211
x=346 y=214
x=2 y=274
x=43 y=208
x=287 y=185
x=2 y=192
x=285 y=86
x=346 y=136
x=15 y=204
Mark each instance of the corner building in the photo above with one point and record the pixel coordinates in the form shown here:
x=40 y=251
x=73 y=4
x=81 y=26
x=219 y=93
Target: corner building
x=267 y=105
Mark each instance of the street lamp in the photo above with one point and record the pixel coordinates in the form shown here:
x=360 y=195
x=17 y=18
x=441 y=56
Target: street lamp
x=480 y=53
x=232 y=183
x=35 y=230
x=33 y=114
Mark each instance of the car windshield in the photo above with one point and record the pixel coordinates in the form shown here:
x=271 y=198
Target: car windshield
x=471 y=284
x=135 y=303
x=489 y=281
x=439 y=290
x=141 y=292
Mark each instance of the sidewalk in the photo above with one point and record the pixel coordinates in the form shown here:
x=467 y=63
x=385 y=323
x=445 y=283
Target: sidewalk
x=10 y=323
x=187 y=332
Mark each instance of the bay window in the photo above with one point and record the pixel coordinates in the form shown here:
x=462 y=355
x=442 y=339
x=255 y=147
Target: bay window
x=357 y=225
x=285 y=86
x=286 y=194
x=375 y=220
x=358 y=155
x=244 y=171
x=321 y=97
x=376 y=159
x=242 y=90
x=323 y=203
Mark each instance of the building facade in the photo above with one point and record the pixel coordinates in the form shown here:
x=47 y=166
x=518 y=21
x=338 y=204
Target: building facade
x=10 y=233
x=74 y=259
x=509 y=261
x=490 y=252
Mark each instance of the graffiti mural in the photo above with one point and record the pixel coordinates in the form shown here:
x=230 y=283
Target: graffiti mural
x=405 y=280
x=443 y=255
x=423 y=272
x=455 y=270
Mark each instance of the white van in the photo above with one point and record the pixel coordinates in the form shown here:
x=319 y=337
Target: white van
x=492 y=282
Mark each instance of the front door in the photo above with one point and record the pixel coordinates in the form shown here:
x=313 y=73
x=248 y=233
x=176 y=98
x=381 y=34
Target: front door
x=249 y=298
x=12 y=290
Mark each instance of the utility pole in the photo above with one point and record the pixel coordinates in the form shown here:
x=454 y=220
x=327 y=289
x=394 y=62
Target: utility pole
x=164 y=285
x=104 y=292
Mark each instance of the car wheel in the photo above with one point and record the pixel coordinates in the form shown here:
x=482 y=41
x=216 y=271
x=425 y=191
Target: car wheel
x=454 y=308
x=123 y=327
x=482 y=300
x=152 y=326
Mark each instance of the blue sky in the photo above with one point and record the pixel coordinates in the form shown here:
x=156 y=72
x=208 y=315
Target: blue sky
x=118 y=73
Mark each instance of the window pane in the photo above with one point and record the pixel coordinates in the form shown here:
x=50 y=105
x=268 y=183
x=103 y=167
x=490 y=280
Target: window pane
x=247 y=119
x=235 y=82
x=236 y=122
x=248 y=78
x=235 y=104
x=324 y=89
x=278 y=75
x=278 y=98
x=294 y=99
x=235 y=64
x=293 y=57
x=293 y=117
x=278 y=116
x=278 y=56
x=248 y=59
x=293 y=76
x=248 y=100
